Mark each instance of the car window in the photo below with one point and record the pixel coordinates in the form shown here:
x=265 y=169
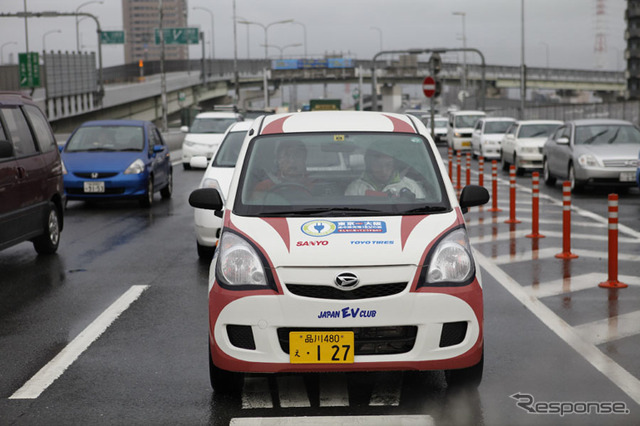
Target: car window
x=211 y=125
x=496 y=127
x=478 y=125
x=3 y=134
x=607 y=135
x=512 y=129
x=536 y=130
x=41 y=128
x=440 y=123
x=229 y=150
x=463 y=121
x=333 y=168
x=21 y=137
x=106 y=138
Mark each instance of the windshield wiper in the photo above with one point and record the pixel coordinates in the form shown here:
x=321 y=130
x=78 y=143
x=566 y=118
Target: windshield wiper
x=427 y=209
x=541 y=133
x=591 y=139
x=615 y=135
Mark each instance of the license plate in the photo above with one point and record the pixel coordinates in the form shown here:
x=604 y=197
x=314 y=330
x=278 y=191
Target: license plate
x=627 y=176
x=466 y=143
x=321 y=347
x=93 y=186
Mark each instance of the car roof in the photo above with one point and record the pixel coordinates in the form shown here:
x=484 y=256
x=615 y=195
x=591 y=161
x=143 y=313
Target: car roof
x=15 y=98
x=217 y=114
x=498 y=119
x=540 y=122
x=592 y=121
x=338 y=121
x=466 y=112
x=94 y=123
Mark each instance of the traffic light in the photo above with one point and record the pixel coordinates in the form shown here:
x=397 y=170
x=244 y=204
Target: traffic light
x=435 y=63
x=438 y=88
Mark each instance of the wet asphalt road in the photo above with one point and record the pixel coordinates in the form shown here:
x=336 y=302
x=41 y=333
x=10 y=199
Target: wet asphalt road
x=551 y=334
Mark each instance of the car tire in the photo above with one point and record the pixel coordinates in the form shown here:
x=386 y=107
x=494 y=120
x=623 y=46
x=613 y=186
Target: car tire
x=469 y=377
x=549 y=180
x=186 y=166
x=519 y=169
x=576 y=186
x=205 y=252
x=167 y=191
x=505 y=164
x=48 y=242
x=147 y=199
x=222 y=381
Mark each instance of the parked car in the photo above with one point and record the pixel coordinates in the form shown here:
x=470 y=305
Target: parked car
x=31 y=189
x=343 y=265
x=117 y=159
x=439 y=128
x=460 y=128
x=487 y=136
x=593 y=152
x=205 y=134
x=217 y=175
x=522 y=144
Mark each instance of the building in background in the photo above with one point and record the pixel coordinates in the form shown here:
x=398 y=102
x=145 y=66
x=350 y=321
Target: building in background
x=632 y=52
x=140 y=19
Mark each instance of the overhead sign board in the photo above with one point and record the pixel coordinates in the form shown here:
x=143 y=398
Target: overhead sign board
x=178 y=35
x=29 y=69
x=112 y=37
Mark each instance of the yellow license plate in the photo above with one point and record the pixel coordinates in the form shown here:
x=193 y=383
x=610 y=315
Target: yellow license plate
x=466 y=143
x=321 y=347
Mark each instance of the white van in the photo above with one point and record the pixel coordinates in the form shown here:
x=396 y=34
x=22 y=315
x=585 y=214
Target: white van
x=343 y=248
x=460 y=129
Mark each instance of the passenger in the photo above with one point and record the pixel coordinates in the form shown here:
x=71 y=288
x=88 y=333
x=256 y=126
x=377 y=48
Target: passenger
x=381 y=178
x=291 y=169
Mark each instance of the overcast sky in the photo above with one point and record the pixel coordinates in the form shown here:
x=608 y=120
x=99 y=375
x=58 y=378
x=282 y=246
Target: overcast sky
x=566 y=29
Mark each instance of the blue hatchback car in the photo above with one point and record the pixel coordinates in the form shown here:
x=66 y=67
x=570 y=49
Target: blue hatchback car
x=117 y=159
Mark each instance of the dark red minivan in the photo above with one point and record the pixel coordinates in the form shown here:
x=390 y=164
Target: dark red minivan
x=31 y=187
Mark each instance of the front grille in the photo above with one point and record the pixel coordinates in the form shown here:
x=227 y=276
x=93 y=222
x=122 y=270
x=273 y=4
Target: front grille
x=367 y=340
x=362 y=292
x=625 y=162
x=465 y=135
x=100 y=175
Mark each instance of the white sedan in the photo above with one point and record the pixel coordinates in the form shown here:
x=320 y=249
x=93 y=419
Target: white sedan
x=523 y=142
x=217 y=175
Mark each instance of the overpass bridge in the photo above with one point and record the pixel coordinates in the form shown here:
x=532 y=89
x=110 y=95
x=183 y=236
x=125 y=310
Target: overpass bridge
x=127 y=95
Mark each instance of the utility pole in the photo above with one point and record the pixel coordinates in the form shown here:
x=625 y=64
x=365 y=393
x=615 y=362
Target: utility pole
x=163 y=78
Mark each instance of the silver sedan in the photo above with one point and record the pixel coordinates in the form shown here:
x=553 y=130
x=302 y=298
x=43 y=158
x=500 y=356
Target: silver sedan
x=592 y=152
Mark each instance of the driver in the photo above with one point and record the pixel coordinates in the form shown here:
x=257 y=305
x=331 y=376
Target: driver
x=381 y=178
x=291 y=168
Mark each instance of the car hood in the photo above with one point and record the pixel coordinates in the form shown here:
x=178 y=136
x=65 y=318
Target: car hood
x=537 y=142
x=610 y=152
x=491 y=137
x=204 y=138
x=79 y=162
x=335 y=242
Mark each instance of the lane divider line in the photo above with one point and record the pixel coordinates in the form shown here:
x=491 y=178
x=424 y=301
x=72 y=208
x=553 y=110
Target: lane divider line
x=573 y=284
x=383 y=420
x=629 y=384
x=67 y=356
x=610 y=329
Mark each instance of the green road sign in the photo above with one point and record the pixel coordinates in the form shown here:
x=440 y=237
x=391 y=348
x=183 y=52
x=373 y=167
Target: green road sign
x=29 y=68
x=178 y=35
x=112 y=37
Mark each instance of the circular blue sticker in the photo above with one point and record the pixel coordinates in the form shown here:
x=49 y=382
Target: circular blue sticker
x=318 y=228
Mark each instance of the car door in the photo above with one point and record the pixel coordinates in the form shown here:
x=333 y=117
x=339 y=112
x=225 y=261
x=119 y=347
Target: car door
x=558 y=154
x=476 y=137
x=160 y=161
x=509 y=140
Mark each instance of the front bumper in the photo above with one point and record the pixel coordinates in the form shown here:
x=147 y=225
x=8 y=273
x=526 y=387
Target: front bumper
x=120 y=186
x=265 y=318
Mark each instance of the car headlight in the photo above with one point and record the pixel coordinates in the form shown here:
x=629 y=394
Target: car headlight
x=457 y=135
x=64 y=169
x=135 y=168
x=588 y=160
x=238 y=263
x=212 y=183
x=450 y=261
x=189 y=143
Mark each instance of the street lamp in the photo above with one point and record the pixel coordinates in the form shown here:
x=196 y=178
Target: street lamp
x=44 y=47
x=210 y=14
x=380 y=35
x=77 y=31
x=281 y=48
x=464 y=54
x=2 y=49
x=304 y=28
x=265 y=28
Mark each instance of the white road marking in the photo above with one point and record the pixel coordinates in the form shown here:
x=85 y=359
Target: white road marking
x=57 y=366
x=399 y=420
x=334 y=391
x=610 y=329
x=613 y=371
x=293 y=392
x=386 y=391
x=256 y=393
x=575 y=283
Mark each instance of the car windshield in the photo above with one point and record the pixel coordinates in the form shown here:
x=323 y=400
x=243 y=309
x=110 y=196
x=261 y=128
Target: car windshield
x=211 y=125
x=609 y=134
x=536 y=130
x=463 y=121
x=106 y=138
x=342 y=174
x=229 y=150
x=497 y=127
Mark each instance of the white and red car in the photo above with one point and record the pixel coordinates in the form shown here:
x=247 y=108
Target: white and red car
x=310 y=276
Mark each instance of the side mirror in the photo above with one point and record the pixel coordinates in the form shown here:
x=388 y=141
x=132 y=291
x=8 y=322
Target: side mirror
x=6 y=149
x=184 y=129
x=473 y=195
x=199 y=162
x=158 y=148
x=206 y=198
x=562 y=141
